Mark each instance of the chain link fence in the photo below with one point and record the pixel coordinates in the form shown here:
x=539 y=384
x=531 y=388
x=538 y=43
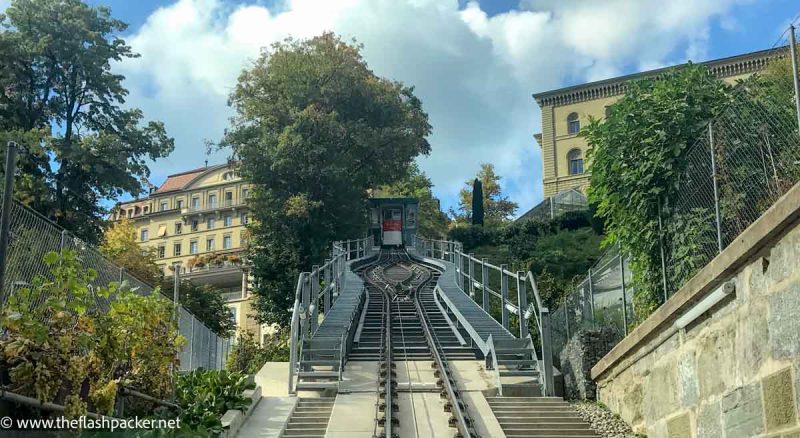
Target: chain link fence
x=33 y=235
x=746 y=159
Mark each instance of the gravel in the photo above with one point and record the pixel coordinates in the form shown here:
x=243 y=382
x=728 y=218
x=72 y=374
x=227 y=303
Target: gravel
x=603 y=421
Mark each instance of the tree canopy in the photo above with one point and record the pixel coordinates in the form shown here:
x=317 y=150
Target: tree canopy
x=314 y=129
x=60 y=100
x=121 y=247
x=497 y=208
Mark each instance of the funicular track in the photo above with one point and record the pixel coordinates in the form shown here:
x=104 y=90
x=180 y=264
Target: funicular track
x=402 y=323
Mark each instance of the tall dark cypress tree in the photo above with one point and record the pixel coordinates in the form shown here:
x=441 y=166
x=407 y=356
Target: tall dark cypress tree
x=477 y=202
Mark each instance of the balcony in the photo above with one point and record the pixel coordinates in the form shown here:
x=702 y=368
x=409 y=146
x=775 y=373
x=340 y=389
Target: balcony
x=216 y=206
x=219 y=270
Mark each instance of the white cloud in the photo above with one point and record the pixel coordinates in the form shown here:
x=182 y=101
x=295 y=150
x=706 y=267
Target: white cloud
x=474 y=73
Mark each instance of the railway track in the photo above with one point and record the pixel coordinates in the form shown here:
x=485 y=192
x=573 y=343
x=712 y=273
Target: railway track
x=402 y=322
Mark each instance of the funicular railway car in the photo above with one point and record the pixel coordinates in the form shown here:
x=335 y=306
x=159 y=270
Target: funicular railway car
x=393 y=221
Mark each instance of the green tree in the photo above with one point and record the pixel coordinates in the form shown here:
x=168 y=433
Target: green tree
x=205 y=302
x=314 y=129
x=638 y=155
x=432 y=221
x=477 y=202
x=59 y=93
x=497 y=208
x=121 y=247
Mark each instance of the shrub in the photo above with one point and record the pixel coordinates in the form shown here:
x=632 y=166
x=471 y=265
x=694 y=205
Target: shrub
x=247 y=356
x=205 y=395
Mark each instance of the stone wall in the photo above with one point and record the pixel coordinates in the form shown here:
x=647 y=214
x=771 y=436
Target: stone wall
x=579 y=356
x=733 y=372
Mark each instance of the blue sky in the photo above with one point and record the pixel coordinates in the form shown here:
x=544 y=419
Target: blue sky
x=474 y=64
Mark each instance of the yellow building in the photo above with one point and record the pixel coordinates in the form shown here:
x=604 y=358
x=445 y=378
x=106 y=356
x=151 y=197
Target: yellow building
x=566 y=110
x=196 y=223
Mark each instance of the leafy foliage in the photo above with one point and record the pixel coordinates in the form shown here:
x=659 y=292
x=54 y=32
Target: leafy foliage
x=432 y=222
x=121 y=246
x=62 y=348
x=247 y=356
x=206 y=303
x=205 y=395
x=314 y=130
x=497 y=208
x=638 y=153
x=59 y=96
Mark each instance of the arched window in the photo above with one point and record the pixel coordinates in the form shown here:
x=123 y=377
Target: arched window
x=573 y=123
x=575 y=162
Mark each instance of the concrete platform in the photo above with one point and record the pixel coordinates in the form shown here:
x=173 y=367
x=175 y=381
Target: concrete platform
x=353 y=415
x=359 y=377
x=268 y=418
x=422 y=415
x=273 y=379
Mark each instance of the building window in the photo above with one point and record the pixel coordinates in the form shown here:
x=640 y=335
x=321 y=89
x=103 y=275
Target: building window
x=228 y=199
x=210 y=244
x=163 y=206
x=178 y=227
x=245 y=193
x=232 y=312
x=573 y=124
x=244 y=219
x=226 y=241
x=575 y=160
x=210 y=223
x=193 y=247
x=227 y=220
x=179 y=203
x=212 y=200
x=176 y=249
x=195 y=203
x=195 y=225
x=146 y=209
x=162 y=251
x=144 y=234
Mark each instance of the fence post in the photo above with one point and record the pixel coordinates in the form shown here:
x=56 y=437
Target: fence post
x=661 y=250
x=716 y=188
x=5 y=215
x=313 y=310
x=327 y=279
x=522 y=304
x=504 y=297
x=624 y=299
x=795 y=72
x=485 y=283
x=591 y=296
x=191 y=344
x=176 y=286
x=547 y=352
x=63 y=243
x=471 y=272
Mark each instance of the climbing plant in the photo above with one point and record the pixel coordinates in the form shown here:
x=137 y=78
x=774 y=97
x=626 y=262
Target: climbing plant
x=638 y=154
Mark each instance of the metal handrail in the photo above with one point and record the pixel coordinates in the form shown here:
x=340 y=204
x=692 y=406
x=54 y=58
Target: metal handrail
x=303 y=323
x=452 y=251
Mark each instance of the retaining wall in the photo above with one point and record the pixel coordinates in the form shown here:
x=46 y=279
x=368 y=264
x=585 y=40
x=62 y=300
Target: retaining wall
x=733 y=372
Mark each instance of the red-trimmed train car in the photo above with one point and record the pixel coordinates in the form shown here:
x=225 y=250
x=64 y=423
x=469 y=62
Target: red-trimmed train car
x=392 y=227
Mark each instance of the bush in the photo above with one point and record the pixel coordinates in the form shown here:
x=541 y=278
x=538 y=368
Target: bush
x=247 y=356
x=205 y=395
x=61 y=347
x=473 y=236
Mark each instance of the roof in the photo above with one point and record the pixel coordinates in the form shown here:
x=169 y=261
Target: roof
x=180 y=181
x=722 y=68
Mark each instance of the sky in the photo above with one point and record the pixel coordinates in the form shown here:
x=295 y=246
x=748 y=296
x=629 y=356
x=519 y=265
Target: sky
x=474 y=64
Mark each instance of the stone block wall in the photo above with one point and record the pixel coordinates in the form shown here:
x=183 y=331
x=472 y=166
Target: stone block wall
x=579 y=356
x=734 y=372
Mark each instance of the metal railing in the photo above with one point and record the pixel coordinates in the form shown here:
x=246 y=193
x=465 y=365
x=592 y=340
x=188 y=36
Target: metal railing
x=32 y=235
x=494 y=285
x=317 y=292
x=745 y=160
